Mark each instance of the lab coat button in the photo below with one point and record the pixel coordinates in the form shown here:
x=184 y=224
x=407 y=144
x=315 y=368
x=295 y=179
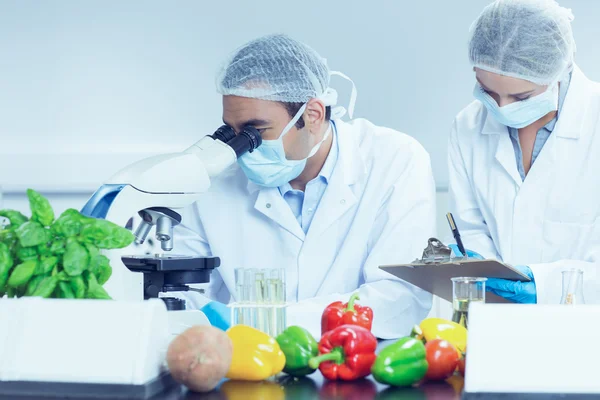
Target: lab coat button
x=342 y=201
x=310 y=210
x=268 y=205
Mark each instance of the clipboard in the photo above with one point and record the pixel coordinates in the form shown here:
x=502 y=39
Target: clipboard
x=435 y=278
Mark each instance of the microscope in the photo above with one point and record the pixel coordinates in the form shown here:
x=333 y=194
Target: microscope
x=155 y=188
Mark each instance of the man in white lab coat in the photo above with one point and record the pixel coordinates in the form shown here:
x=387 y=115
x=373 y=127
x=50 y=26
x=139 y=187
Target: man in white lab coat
x=524 y=159
x=327 y=200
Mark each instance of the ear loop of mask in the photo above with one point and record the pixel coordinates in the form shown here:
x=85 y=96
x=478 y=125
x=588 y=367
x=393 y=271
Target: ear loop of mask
x=317 y=146
x=329 y=98
x=290 y=124
x=339 y=112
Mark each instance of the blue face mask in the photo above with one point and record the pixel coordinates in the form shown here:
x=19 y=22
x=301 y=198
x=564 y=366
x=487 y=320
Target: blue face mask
x=520 y=113
x=268 y=166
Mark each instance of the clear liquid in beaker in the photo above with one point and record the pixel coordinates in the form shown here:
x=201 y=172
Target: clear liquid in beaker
x=460 y=313
x=465 y=291
x=260 y=300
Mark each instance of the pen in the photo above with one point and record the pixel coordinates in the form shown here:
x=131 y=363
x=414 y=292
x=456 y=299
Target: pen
x=456 y=234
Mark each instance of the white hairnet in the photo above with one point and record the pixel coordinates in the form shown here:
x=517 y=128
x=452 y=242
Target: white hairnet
x=525 y=39
x=277 y=68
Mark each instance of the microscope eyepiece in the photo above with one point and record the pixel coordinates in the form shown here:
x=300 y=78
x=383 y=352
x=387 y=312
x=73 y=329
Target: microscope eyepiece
x=246 y=141
x=224 y=134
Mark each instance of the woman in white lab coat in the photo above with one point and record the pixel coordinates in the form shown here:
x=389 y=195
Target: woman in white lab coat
x=369 y=199
x=524 y=158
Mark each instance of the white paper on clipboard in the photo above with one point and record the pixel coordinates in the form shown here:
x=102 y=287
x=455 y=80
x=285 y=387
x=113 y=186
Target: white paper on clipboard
x=435 y=278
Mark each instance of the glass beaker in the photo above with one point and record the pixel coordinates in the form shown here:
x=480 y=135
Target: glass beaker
x=466 y=290
x=572 y=284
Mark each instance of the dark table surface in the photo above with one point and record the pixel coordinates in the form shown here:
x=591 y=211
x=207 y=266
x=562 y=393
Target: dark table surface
x=315 y=387
x=311 y=387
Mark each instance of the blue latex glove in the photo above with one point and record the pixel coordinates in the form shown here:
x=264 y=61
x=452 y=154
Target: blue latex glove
x=218 y=314
x=519 y=292
x=470 y=253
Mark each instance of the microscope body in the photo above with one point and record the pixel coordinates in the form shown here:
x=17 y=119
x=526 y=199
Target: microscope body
x=155 y=188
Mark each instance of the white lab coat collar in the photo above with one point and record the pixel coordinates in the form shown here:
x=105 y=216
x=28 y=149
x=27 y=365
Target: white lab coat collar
x=349 y=159
x=577 y=102
x=568 y=126
x=349 y=169
x=572 y=115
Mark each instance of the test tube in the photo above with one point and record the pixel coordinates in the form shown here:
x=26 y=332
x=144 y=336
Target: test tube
x=278 y=283
x=572 y=287
x=283 y=298
x=237 y=313
x=268 y=301
x=259 y=310
x=271 y=286
x=249 y=311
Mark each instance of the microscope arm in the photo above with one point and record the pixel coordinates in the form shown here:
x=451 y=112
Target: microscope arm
x=172 y=181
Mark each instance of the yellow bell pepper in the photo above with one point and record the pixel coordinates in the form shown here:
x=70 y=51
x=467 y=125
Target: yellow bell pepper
x=239 y=390
x=256 y=355
x=437 y=328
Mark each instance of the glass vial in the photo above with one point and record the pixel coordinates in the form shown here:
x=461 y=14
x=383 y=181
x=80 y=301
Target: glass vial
x=572 y=285
x=465 y=291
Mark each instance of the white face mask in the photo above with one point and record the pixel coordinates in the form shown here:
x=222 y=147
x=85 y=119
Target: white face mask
x=268 y=166
x=520 y=113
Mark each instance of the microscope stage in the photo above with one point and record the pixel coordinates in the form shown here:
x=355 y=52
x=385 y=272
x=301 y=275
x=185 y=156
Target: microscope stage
x=165 y=263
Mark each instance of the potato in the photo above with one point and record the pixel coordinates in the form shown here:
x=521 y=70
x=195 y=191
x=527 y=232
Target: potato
x=200 y=357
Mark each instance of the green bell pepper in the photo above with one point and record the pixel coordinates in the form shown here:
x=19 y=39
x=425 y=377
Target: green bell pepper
x=299 y=347
x=401 y=364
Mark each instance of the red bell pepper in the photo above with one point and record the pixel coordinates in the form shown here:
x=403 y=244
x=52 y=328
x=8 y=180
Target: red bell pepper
x=346 y=353
x=338 y=313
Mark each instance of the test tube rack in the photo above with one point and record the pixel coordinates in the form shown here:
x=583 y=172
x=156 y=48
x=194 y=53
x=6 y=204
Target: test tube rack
x=260 y=300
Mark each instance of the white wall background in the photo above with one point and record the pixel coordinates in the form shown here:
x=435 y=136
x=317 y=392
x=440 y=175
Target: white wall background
x=87 y=87
x=98 y=78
